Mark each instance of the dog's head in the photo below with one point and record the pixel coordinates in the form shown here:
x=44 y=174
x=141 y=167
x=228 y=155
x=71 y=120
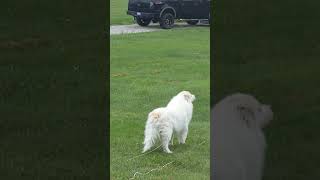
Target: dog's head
x=187 y=96
x=251 y=111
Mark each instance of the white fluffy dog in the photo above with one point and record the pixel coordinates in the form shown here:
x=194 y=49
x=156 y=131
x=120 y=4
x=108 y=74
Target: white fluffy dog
x=238 y=140
x=174 y=118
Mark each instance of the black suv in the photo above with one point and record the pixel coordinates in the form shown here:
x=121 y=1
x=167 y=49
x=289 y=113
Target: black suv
x=166 y=11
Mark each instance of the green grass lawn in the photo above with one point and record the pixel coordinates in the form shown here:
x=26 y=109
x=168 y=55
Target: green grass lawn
x=270 y=50
x=147 y=70
x=118 y=12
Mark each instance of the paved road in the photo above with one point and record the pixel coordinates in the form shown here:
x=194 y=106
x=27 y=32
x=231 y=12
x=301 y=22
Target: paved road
x=134 y=28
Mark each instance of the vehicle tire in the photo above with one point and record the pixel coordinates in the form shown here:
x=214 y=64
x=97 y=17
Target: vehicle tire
x=193 y=22
x=143 y=22
x=166 y=20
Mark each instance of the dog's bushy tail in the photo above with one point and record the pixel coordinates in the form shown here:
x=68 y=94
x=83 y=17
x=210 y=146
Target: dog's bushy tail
x=151 y=131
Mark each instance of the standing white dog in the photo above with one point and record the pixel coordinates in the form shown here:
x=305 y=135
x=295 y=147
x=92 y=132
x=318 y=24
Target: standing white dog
x=174 y=118
x=238 y=140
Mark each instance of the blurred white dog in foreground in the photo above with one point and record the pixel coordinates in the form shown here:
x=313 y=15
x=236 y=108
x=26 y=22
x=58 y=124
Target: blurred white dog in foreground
x=163 y=122
x=238 y=141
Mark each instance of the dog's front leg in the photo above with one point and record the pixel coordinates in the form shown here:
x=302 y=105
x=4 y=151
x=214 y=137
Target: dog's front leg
x=172 y=139
x=184 y=135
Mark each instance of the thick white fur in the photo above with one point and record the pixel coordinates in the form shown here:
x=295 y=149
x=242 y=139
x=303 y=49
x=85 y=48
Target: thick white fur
x=238 y=141
x=174 y=118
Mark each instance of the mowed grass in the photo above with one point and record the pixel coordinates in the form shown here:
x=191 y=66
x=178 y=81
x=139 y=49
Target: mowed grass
x=269 y=50
x=118 y=12
x=147 y=70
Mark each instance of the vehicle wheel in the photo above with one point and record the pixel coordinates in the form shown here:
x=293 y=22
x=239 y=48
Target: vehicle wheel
x=167 y=21
x=193 y=22
x=143 y=22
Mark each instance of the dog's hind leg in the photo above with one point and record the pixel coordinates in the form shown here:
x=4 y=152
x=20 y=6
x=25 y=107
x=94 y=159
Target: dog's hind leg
x=166 y=134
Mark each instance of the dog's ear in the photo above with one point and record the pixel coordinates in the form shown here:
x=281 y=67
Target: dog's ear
x=187 y=97
x=247 y=115
x=265 y=115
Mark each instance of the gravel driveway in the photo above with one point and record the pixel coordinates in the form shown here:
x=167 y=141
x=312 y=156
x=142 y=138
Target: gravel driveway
x=135 y=28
